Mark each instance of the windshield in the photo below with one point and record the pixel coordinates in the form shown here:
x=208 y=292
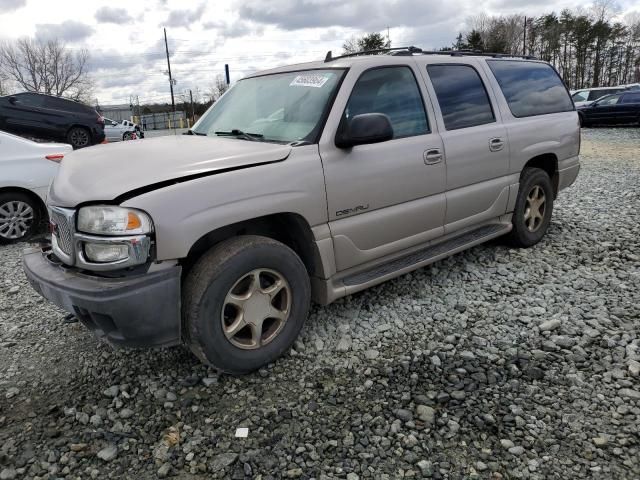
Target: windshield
x=283 y=107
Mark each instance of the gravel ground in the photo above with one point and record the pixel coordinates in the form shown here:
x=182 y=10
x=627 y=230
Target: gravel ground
x=495 y=363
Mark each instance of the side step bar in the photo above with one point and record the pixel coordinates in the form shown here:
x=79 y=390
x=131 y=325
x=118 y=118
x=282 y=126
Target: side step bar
x=425 y=256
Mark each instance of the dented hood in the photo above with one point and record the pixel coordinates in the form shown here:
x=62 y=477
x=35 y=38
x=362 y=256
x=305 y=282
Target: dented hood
x=106 y=172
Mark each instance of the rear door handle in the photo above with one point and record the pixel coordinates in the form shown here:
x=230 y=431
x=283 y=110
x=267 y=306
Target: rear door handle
x=496 y=144
x=432 y=156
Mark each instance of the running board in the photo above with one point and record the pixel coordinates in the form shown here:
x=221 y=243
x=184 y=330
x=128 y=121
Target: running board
x=427 y=255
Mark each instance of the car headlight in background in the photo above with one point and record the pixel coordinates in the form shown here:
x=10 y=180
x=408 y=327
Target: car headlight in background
x=113 y=220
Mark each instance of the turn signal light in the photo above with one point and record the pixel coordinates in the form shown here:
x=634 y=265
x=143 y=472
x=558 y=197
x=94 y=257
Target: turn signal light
x=55 y=157
x=133 y=221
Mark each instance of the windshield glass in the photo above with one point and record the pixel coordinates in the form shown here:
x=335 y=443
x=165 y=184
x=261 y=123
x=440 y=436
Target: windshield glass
x=283 y=107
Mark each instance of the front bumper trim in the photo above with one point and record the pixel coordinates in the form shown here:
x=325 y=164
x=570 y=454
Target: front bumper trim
x=137 y=311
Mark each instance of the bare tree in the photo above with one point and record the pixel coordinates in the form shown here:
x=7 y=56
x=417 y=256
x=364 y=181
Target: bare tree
x=371 y=41
x=351 y=45
x=46 y=67
x=4 y=84
x=217 y=88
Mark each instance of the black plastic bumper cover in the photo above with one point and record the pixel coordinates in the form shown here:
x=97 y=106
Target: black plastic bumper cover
x=138 y=311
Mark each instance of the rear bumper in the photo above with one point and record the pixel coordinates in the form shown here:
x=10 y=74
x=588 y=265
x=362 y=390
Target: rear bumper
x=138 y=311
x=98 y=135
x=568 y=175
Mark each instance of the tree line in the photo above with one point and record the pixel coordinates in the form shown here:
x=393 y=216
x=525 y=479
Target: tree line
x=589 y=49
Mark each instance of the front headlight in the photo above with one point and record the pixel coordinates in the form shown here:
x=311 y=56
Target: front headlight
x=113 y=220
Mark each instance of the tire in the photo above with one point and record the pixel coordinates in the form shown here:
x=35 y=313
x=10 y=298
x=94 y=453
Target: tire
x=529 y=229
x=126 y=136
x=20 y=217
x=79 y=137
x=224 y=276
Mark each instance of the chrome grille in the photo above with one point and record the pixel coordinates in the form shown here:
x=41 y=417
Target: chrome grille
x=63 y=233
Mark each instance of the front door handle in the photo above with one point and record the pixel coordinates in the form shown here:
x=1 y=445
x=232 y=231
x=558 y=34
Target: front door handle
x=432 y=156
x=496 y=144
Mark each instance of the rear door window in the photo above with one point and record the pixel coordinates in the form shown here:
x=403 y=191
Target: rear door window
x=30 y=100
x=58 y=104
x=531 y=88
x=631 y=98
x=461 y=95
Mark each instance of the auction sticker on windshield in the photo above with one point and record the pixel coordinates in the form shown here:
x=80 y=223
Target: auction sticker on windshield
x=310 y=80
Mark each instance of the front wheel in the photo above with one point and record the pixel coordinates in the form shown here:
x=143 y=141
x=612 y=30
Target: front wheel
x=533 y=209
x=244 y=303
x=19 y=217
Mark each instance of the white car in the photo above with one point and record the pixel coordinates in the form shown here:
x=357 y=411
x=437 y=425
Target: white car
x=26 y=170
x=116 y=132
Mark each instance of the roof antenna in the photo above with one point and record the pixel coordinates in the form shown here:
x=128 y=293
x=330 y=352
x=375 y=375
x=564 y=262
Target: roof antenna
x=328 y=58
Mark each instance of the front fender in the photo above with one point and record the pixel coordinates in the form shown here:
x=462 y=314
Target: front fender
x=184 y=212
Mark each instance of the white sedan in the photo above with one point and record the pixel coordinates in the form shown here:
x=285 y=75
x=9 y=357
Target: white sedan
x=116 y=132
x=26 y=170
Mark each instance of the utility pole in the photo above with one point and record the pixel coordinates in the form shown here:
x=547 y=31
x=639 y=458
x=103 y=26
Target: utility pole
x=524 y=37
x=166 y=47
x=388 y=38
x=139 y=114
x=193 y=113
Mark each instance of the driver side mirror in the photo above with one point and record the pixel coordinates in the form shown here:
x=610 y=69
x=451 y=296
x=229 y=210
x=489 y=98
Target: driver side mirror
x=114 y=124
x=13 y=100
x=364 y=129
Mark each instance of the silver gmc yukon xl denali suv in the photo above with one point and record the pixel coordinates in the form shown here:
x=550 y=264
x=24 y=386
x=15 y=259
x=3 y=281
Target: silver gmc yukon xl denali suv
x=312 y=181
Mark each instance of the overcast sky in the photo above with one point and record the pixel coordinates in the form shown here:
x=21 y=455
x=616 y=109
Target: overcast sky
x=126 y=45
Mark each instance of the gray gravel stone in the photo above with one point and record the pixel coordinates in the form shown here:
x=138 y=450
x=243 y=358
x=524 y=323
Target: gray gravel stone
x=538 y=346
x=426 y=414
x=108 y=453
x=549 y=325
x=8 y=474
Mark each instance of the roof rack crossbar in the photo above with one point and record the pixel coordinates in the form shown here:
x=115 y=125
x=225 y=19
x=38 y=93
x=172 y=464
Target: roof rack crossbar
x=402 y=51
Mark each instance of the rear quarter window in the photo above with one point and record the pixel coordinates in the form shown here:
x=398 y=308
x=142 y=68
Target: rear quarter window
x=531 y=88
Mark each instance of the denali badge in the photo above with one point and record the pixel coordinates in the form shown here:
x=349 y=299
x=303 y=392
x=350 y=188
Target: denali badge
x=349 y=211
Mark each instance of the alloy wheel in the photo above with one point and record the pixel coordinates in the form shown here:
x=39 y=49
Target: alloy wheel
x=256 y=309
x=79 y=138
x=534 y=208
x=16 y=218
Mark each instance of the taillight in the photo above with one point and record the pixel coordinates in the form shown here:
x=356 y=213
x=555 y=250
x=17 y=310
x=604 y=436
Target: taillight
x=55 y=157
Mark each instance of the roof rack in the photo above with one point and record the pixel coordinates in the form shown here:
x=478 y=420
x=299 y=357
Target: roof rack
x=405 y=51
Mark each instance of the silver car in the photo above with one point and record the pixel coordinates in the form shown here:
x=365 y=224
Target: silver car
x=311 y=181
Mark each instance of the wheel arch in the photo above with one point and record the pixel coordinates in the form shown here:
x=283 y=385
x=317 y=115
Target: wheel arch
x=289 y=228
x=549 y=163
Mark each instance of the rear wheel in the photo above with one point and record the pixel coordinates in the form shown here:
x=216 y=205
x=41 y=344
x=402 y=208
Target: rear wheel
x=79 y=137
x=127 y=136
x=534 y=205
x=244 y=303
x=19 y=217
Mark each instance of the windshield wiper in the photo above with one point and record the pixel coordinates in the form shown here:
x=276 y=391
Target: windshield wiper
x=193 y=132
x=239 y=133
